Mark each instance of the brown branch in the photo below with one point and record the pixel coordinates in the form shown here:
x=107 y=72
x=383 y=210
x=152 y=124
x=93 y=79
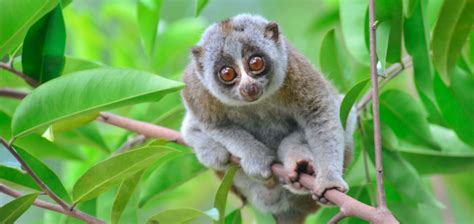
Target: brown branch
x=30 y=172
x=52 y=207
x=348 y=205
x=382 y=204
x=20 y=74
x=12 y=93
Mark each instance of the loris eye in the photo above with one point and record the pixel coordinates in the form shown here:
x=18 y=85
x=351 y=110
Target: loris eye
x=227 y=75
x=256 y=64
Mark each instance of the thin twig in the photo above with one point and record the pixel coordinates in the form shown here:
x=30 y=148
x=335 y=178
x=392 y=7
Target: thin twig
x=338 y=217
x=348 y=205
x=390 y=73
x=20 y=74
x=12 y=93
x=136 y=140
x=30 y=172
x=375 y=108
x=439 y=190
x=52 y=207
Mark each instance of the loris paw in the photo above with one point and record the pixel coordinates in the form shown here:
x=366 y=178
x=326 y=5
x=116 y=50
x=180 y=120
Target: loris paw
x=258 y=166
x=296 y=167
x=217 y=159
x=328 y=182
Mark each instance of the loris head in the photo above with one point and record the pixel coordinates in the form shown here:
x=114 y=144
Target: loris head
x=241 y=60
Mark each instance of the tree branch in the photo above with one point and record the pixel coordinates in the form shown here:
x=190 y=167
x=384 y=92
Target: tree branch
x=12 y=93
x=38 y=181
x=348 y=205
x=52 y=207
x=382 y=204
x=20 y=74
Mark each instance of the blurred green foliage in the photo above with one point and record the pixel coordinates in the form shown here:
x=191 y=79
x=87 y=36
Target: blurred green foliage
x=427 y=111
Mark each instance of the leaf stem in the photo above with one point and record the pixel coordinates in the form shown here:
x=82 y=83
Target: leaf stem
x=52 y=207
x=30 y=172
x=20 y=74
x=12 y=93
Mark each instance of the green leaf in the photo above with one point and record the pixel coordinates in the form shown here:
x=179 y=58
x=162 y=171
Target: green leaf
x=423 y=160
x=405 y=178
x=349 y=100
x=45 y=174
x=221 y=194
x=10 y=212
x=332 y=61
x=43 y=47
x=185 y=167
x=409 y=7
x=74 y=64
x=407 y=119
x=353 y=18
x=451 y=31
x=36 y=145
x=391 y=11
x=148 y=12
x=100 y=177
x=17 y=17
x=200 y=4
x=417 y=44
x=174 y=44
x=234 y=217
x=177 y=216
x=125 y=192
x=398 y=171
x=87 y=92
x=383 y=35
x=17 y=177
x=456 y=107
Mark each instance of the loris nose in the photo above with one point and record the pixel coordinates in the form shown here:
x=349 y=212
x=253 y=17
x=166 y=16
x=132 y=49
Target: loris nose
x=250 y=91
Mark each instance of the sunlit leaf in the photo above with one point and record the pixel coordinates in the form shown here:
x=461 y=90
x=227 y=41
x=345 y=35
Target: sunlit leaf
x=452 y=28
x=177 y=216
x=200 y=4
x=17 y=177
x=185 y=167
x=125 y=192
x=43 y=47
x=353 y=17
x=148 y=12
x=45 y=174
x=10 y=212
x=383 y=35
x=221 y=195
x=407 y=119
x=17 y=17
x=110 y=172
x=349 y=100
x=391 y=11
x=87 y=92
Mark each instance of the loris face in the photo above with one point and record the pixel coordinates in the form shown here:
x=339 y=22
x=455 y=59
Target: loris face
x=241 y=60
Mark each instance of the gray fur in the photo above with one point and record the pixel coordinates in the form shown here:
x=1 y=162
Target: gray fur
x=296 y=117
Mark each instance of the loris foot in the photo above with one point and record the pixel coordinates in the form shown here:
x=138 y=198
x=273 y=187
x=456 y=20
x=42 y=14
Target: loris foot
x=258 y=166
x=296 y=167
x=327 y=182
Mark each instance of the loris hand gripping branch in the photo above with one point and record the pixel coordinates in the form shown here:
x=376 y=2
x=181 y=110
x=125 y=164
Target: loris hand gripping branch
x=250 y=94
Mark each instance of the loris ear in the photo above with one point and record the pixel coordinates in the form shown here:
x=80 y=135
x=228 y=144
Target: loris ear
x=197 y=54
x=272 y=31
